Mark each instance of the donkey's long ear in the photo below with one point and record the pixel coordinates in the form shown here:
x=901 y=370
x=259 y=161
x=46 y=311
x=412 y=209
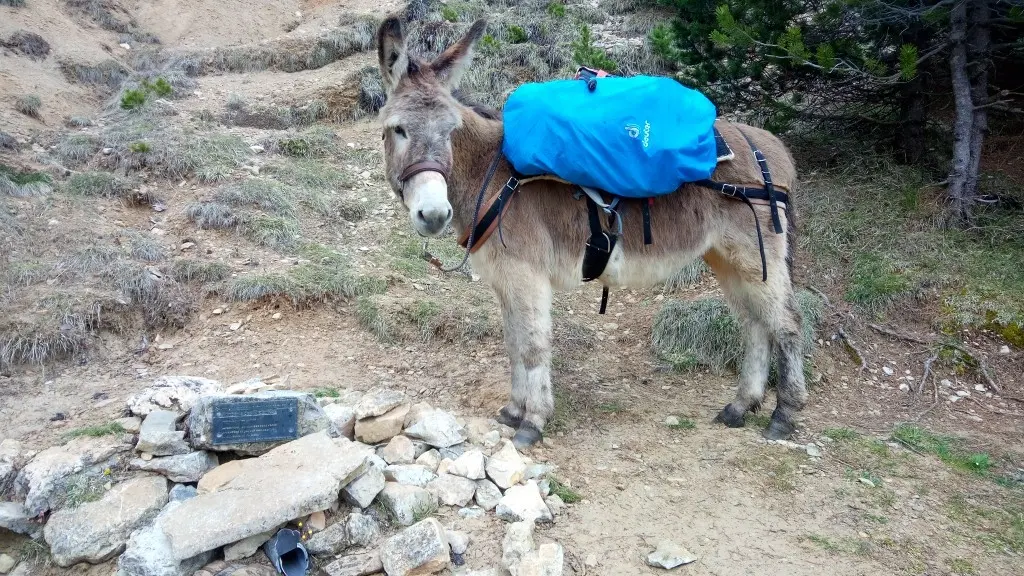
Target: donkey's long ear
x=392 y=53
x=451 y=64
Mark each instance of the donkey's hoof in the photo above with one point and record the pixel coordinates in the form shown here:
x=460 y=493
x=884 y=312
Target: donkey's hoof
x=731 y=417
x=527 y=435
x=779 y=430
x=506 y=418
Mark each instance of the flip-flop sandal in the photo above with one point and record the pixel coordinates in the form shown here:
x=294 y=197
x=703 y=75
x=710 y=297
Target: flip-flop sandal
x=286 y=552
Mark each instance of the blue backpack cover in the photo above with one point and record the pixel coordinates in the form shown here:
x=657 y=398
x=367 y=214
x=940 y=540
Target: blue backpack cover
x=636 y=137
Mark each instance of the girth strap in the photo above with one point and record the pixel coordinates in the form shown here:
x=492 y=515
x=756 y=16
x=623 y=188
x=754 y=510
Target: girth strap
x=766 y=174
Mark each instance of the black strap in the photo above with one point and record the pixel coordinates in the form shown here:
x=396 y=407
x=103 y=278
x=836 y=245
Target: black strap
x=604 y=300
x=766 y=175
x=745 y=193
x=496 y=210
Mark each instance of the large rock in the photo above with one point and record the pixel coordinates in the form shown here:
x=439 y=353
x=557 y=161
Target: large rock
x=159 y=435
x=523 y=502
x=487 y=494
x=184 y=468
x=344 y=419
x=437 y=428
x=517 y=543
x=420 y=549
x=148 y=552
x=290 y=481
x=506 y=467
x=11 y=460
x=399 y=451
x=15 y=517
x=410 y=474
x=219 y=476
x=544 y=561
x=311 y=419
x=378 y=401
x=43 y=480
x=470 y=465
x=174 y=393
x=362 y=529
x=97 y=531
x=452 y=490
x=328 y=541
x=355 y=565
x=407 y=503
x=361 y=491
x=182 y=492
x=381 y=428
x=431 y=459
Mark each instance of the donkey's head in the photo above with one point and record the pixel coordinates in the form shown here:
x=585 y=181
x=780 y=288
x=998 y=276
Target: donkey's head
x=418 y=121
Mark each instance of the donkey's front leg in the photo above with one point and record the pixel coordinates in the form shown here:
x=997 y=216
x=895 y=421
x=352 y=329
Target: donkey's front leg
x=526 y=311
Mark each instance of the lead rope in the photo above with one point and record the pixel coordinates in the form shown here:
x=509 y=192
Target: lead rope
x=472 y=225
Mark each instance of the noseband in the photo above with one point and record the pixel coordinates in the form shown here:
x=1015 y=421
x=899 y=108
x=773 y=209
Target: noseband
x=425 y=166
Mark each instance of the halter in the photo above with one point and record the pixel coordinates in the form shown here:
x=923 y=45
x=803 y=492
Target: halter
x=418 y=167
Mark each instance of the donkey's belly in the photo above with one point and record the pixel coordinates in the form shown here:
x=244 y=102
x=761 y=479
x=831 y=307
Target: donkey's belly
x=645 y=269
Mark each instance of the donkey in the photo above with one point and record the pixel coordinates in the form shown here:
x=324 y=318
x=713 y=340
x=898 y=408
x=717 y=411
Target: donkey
x=439 y=154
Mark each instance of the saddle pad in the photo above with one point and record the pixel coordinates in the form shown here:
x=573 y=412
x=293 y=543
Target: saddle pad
x=636 y=137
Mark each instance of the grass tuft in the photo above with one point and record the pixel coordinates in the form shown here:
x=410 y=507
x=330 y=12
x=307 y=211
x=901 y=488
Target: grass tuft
x=266 y=194
x=105 y=185
x=190 y=270
x=29 y=105
x=949 y=449
x=211 y=215
x=566 y=493
x=77 y=148
x=315 y=142
x=271 y=231
x=28 y=43
x=24 y=183
x=97 y=431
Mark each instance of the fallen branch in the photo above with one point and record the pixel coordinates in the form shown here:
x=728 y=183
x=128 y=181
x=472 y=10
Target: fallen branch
x=853 y=352
x=821 y=294
x=927 y=371
x=899 y=336
x=993 y=410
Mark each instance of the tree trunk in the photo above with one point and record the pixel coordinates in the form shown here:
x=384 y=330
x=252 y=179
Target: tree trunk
x=979 y=43
x=961 y=196
x=913 y=117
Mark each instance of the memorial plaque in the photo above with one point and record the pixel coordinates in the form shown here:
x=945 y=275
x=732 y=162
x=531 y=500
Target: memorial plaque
x=237 y=421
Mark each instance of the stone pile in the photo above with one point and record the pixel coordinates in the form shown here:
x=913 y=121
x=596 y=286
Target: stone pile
x=362 y=478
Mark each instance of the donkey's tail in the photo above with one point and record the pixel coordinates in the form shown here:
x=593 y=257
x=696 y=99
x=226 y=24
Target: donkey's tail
x=791 y=233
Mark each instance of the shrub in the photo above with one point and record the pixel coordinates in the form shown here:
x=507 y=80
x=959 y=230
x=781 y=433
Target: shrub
x=133 y=99
x=586 y=54
x=29 y=105
x=211 y=215
x=516 y=35
x=28 y=43
x=77 y=148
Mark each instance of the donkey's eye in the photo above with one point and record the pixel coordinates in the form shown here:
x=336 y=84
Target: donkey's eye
x=400 y=131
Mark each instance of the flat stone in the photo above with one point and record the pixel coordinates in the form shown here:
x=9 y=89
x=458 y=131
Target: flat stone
x=174 y=393
x=420 y=549
x=813 y=450
x=381 y=428
x=431 y=459
x=409 y=474
x=247 y=547
x=537 y=470
x=182 y=492
x=437 y=428
x=472 y=512
x=452 y=490
x=7 y=563
x=477 y=428
x=97 y=531
x=555 y=504
x=491 y=439
x=523 y=502
x=288 y=482
x=355 y=565
x=329 y=541
x=506 y=467
x=11 y=460
x=378 y=401
x=15 y=517
x=546 y=560
x=407 y=503
x=361 y=491
x=131 y=424
x=219 y=476
x=184 y=468
x=484 y=572
x=148 y=552
x=516 y=544
x=159 y=435
x=363 y=529
x=344 y=419
x=311 y=419
x=399 y=451
x=669 y=555
x=445 y=465
x=43 y=481
x=469 y=465
x=487 y=494
x=459 y=541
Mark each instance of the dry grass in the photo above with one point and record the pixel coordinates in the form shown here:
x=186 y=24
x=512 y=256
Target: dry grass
x=317 y=141
x=271 y=231
x=109 y=73
x=191 y=270
x=327 y=276
x=29 y=105
x=23 y=183
x=211 y=215
x=76 y=149
x=28 y=43
x=263 y=193
x=393 y=318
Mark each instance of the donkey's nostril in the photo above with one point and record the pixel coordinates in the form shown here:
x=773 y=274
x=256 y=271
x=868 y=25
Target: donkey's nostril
x=449 y=215
x=421 y=216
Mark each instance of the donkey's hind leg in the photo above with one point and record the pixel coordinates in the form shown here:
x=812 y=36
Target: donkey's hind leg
x=771 y=322
x=525 y=300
